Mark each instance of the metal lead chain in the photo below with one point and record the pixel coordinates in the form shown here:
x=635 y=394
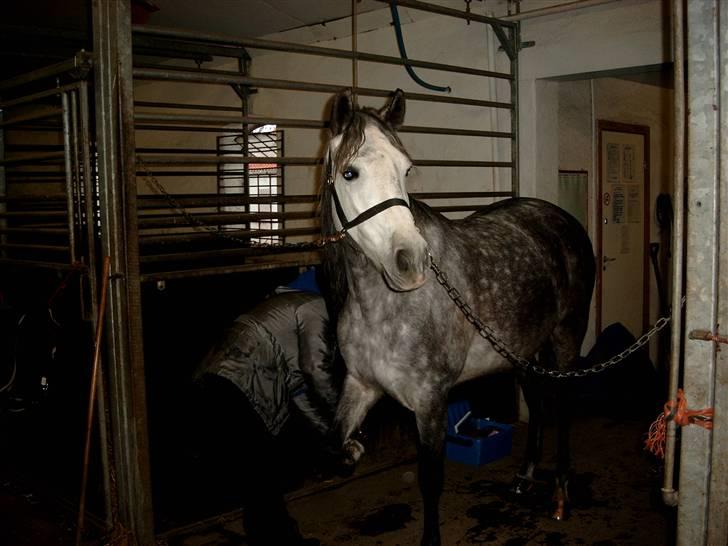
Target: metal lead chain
x=517 y=360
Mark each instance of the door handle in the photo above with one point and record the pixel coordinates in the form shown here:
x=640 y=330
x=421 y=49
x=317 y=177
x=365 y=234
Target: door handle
x=606 y=259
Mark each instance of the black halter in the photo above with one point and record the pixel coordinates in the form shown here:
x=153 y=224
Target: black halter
x=367 y=214
x=364 y=216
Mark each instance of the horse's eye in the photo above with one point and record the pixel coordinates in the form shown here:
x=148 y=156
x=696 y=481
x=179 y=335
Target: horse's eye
x=408 y=171
x=350 y=173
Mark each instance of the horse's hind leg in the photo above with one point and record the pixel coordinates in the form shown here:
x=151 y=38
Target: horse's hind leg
x=566 y=342
x=524 y=479
x=356 y=400
x=563 y=455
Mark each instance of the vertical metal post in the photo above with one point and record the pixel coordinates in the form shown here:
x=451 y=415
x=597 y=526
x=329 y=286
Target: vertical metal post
x=76 y=164
x=669 y=494
x=68 y=167
x=120 y=241
x=88 y=195
x=718 y=486
x=3 y=186
x=702 y=272
x=515 y=174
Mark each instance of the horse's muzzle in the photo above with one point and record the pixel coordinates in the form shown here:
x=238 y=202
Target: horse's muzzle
x=409 y=268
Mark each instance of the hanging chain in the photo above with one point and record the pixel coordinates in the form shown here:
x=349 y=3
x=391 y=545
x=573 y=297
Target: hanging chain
x=153 y=184
x=485 y=331
x=517 y=360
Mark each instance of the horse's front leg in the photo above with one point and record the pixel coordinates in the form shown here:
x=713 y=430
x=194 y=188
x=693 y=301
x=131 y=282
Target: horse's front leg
x=431 y=425
x=356 y=400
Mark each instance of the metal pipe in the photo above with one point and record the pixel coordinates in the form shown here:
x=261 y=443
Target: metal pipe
x=704 y=192
x=87 y=182
x=219 y=254
x=37 y=96
x=52 y=197
x=77 y=210
x=32 y=214
x=34 y=230
x=3 y=186
x=516 y=172
x=441 y=10
x=289 y=47
x=228 y=78
x=551 y=10
x=113 y=86
x=177 y=159
x=300 y=124
x=43 y=248
x=669 y=494
x=224 y=218
x=37 y=264
x=213 y=200
x=197 y=160
x=176 y=238
x=33 y=158
x=403 y=129
x=221 y=218
x=41 y=113
x=81 y=59
x=39 y=176
x=92 y=398
x=298 y=260
x=69 y=177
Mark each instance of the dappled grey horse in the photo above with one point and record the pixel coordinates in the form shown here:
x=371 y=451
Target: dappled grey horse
x=524 y=266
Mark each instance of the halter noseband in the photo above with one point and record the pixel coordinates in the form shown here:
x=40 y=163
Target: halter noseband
x=367 y=214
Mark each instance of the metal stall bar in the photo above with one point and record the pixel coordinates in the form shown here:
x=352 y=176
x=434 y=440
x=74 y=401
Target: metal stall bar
x=3 y=188
x=79 y=61
x=718 y=485
x=70 y=205
x=290 y=47
x=119 y=240
x=232 y=78
x=294 y=123
x=703 y=484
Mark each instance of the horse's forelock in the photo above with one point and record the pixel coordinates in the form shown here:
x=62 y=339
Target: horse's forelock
x=353 y=137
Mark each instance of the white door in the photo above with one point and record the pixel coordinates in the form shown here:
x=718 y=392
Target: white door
x=622 y=278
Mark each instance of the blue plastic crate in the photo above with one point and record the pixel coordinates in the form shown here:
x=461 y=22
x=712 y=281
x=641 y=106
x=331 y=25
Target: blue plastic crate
x=474 y=440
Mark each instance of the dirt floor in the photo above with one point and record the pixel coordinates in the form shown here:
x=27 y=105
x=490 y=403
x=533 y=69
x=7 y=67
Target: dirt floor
x=613 y=492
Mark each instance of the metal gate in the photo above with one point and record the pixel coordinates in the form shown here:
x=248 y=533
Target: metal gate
x=105 y=172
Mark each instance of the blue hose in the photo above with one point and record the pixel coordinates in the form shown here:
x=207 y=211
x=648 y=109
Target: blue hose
x=403 y=53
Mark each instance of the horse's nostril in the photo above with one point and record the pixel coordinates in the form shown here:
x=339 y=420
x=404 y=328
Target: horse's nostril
x=404 y=260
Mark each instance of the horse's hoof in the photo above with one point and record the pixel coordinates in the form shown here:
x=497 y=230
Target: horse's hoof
x=560 y=504
x=521 y=485
x=352 y=450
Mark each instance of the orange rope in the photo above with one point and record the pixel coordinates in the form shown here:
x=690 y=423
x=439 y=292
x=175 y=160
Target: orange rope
x=677 y=411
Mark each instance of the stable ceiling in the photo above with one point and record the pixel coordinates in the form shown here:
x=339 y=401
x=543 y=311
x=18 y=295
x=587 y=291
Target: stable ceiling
x=251 y=18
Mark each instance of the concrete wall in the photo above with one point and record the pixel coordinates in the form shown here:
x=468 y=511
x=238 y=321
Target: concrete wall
x=614 y=37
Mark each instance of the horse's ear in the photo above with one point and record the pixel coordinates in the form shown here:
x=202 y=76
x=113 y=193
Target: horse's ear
x=341 y=112
x=393 y=112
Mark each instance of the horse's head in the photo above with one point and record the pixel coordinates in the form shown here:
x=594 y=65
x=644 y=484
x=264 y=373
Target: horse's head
x=366 y=168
